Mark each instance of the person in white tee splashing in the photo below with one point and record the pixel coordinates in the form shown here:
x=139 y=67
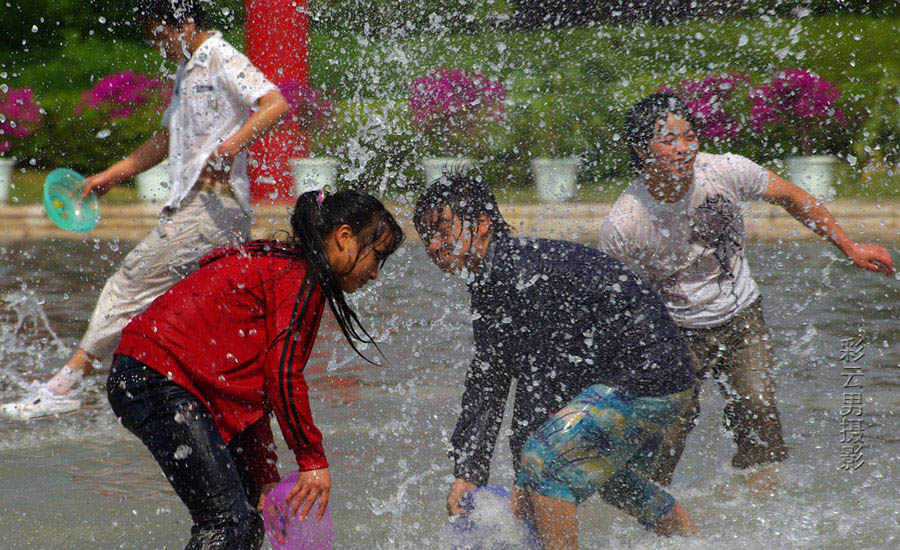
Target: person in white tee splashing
x=206 y=130
x=679 y=225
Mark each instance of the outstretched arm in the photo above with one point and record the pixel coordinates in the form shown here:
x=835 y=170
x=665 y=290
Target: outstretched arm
x=146 y=156
x=812 y=213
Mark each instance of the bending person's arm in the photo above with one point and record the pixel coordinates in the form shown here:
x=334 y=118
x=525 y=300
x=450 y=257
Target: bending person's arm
x=258 y=452
x=473 y=440
x=812 y=213
x=146 y=156
x=286 y=390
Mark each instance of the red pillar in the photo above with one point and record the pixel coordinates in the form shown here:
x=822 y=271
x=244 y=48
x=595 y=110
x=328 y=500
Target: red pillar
x=276 y=43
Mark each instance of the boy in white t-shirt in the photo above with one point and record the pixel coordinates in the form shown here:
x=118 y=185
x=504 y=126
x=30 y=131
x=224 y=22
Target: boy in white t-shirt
x=207 y=129
x=680 y=226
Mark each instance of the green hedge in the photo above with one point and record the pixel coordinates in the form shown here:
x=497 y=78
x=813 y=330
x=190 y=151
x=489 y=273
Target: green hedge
x=78 y=62
x=89 y=141
x=378 y=18
x=39 y=23
x=568 y=88
x=30 y=23
x=584 y=79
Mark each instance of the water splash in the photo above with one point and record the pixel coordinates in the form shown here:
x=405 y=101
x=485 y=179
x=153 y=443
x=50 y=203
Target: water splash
x=26 y=336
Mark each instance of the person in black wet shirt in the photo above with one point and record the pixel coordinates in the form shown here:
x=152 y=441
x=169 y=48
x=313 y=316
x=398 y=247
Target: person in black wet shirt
x=601 y=369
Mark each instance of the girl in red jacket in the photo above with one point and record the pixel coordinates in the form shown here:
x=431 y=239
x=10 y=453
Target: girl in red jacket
x=197 y=374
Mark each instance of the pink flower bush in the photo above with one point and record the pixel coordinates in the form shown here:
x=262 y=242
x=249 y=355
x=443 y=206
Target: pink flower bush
x=121 y=93
x=711 y=101
x=454 y=104
x=799 y=102
x=455 y=93
x=20 y=115
x=310 y=108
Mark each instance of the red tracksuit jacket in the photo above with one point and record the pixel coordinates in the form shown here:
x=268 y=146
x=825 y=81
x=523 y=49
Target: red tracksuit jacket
x=220 y=334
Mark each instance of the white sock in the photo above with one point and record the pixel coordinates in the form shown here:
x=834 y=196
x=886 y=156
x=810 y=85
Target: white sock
x=63 y=382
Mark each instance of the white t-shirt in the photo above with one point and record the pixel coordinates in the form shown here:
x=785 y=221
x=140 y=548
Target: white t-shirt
x=691 y=251
x=214 y=91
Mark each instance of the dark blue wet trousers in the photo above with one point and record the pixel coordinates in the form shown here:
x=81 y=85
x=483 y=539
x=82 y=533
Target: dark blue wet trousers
x=208 y=475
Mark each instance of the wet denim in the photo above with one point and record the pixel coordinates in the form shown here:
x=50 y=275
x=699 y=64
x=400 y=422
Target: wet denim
x=208 y=475
x=738 y=355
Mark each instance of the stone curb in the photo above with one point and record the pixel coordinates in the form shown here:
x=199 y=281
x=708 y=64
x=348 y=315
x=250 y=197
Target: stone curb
x=864 y=220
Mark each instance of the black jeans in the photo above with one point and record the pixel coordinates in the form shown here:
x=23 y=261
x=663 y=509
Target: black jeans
x=209 y=476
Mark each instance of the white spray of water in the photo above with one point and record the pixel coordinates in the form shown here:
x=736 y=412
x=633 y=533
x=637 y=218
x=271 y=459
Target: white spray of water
x=29 y=337
x=490 y=525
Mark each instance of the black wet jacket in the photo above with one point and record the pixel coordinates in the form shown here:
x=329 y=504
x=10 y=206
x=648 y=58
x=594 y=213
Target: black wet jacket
x=557 y=317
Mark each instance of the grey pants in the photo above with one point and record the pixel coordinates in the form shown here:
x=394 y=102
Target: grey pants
x=738 y=355
x=166 y=255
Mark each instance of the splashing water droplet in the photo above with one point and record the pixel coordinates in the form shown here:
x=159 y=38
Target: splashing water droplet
x=182 y=452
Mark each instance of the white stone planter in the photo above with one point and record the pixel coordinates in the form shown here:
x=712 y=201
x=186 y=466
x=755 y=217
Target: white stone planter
x=554 y=179
x=312 y=174
x=153 y=185
x=814 y=173
x=435 y=167
x=6 y=170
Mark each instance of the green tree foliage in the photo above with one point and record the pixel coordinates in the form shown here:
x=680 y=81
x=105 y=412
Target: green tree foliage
x=48 y=23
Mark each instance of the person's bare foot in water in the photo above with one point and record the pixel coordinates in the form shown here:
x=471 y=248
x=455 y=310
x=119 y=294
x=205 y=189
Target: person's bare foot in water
x=762 y=480
x=677 y=522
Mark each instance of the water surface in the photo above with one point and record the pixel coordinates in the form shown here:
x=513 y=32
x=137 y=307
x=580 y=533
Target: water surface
x=83 y=482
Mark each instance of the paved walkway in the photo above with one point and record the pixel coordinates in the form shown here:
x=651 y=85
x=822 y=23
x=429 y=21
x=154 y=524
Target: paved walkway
x=862 y=219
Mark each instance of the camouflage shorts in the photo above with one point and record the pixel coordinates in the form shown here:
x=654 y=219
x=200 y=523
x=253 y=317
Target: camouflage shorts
x=603 y=441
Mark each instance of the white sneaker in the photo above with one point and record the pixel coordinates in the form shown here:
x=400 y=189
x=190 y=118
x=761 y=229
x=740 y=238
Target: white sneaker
x=41 y=402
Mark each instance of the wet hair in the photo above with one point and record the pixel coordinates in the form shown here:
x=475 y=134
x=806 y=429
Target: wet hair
x=468 y=197
x=640 y=122
x=314 y=218
x=173 y=13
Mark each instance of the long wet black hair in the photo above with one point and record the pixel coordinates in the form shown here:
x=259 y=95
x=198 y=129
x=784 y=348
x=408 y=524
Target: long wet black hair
x=315 y=216
x=640 y=122
x=468 y=197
